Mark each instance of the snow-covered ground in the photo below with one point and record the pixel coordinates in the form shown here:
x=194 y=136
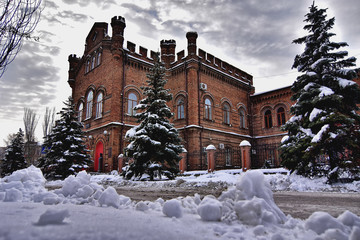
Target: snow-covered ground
x=279 y=179
x=84 y=209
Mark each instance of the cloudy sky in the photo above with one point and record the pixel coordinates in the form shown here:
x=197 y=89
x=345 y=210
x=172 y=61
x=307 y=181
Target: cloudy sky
x=254 y=35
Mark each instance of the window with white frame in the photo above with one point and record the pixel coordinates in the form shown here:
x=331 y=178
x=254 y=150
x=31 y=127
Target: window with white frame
x=99 y=105
x=242 y=118
x=226 y=113
x=132 y=102
x=98 y=62
x=180 y=108
x=93 y=62
x=80 y=111
x=87 y=67
x=208 y=109
x=89 y=103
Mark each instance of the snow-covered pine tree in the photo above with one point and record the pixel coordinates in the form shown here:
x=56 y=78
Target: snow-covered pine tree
x=65 y=149
x=154 y=143
x=324 y=123
x=14 y=155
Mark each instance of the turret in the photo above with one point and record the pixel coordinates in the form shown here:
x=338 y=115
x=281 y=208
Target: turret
x=73 y=63
x=118 y=25
x=191 y=37
x=168 y=51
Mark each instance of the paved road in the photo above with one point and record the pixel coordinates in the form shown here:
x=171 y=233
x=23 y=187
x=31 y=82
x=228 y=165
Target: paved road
x=303 y=204
x=297 y=204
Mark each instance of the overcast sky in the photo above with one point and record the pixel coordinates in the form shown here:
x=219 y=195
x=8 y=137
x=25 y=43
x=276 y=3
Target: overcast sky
x=253 y=35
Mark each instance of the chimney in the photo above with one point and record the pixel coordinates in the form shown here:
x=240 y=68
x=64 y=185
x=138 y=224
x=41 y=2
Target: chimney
x=191 y=37
x=168 y=51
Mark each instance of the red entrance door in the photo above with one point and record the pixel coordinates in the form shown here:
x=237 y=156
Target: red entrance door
x=99 y=149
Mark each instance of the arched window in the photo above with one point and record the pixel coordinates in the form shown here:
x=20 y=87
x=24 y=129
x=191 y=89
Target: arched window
x=208 y=109
x=80 y=111
x=268 y=119
x=242 y=118
x=87 y=68
x=93 y=62
x=281 y=116
x=99 y=105
x=180 y=108
x=89 y=103
x=98 y=59
x=132 y=102
x=226 y=113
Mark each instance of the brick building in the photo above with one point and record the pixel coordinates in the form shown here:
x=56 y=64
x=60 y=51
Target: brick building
x=213 y=101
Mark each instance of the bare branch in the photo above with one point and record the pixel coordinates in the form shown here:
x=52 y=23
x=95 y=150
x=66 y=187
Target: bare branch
x=30 y=121
x=49 y=120
x=18 y=20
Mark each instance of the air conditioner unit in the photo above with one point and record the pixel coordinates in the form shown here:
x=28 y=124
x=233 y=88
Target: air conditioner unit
x=221 y=146
x=203 y=86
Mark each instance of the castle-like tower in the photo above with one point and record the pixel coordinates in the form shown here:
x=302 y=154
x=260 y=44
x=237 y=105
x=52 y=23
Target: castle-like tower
x=213 y=101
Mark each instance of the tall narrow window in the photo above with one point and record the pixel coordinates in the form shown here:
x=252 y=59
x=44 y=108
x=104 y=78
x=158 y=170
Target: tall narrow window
x=80 y=111
x=132 y=102
x=98 y=59
x=180 y=108
x=87 y=68
x=208 y=109
x=228 y=156
x=242 y=118
x=89 y=103
x=226 y=113
x=268 y=119
x=281 y=116
x=99 y=105
x=93 y=62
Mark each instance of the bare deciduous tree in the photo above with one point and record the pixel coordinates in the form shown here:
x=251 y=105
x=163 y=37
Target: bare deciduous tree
x=18 y=20
x=30 y=121
x=49 y=120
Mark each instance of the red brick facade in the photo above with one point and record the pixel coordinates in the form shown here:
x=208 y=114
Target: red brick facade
x=213 y=101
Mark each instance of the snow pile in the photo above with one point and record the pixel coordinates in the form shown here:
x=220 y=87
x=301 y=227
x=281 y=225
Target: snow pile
x=22 y=185
x=346 y=226
x=246 y=211
x=251 y=201
x=298 y=183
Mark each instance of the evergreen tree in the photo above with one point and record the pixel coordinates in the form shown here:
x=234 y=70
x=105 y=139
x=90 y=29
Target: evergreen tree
x=14 y=155
x=65 y=149
x=154 y=143
x=324 y=123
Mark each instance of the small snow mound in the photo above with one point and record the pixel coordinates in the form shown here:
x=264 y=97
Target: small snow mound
x=245 y=143
x=141 y=206
x=53 y=216
x=251 y=201
x=210 y=209
x=210 y=147
x=355 y=234
x=173 y=208
x=319 y=222
x=109 y=198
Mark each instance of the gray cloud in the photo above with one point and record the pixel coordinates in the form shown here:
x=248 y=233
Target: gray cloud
x=29 y=81
x=104 y=4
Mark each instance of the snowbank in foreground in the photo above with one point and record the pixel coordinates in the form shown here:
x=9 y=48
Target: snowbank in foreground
x=83 y=209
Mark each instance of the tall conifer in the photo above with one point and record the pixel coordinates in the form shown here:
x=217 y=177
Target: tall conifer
x=154 y=143
x=325 y=122
x=14 y=155
x=65 y=149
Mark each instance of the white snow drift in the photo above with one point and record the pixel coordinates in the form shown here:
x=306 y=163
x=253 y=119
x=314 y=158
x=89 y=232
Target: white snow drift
x=82 y=209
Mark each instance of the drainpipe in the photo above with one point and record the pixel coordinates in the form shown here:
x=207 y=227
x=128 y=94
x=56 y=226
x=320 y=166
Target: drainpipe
x=199 y=121
x=122 y=101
